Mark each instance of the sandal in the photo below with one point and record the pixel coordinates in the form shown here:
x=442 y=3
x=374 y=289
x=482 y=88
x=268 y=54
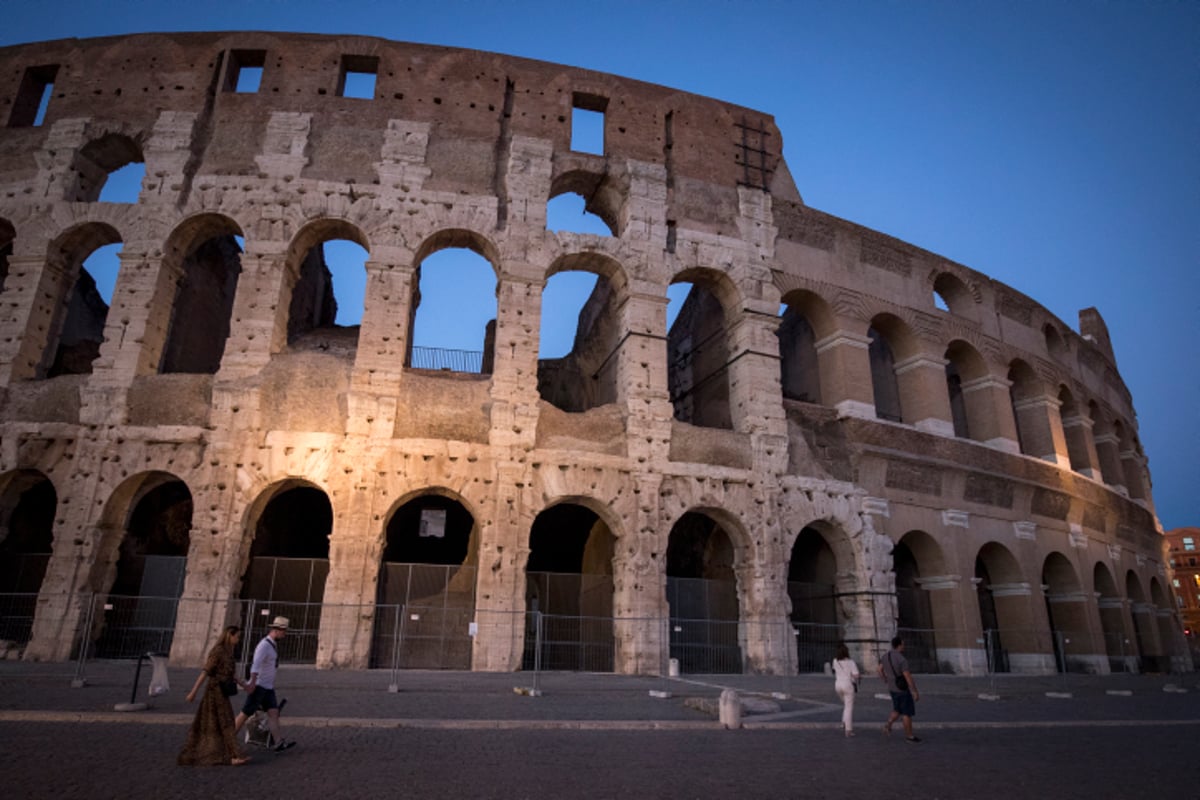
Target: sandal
x=237 y=762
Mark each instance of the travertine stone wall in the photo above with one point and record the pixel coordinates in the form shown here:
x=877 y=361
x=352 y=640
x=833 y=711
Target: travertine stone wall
x=464 y=149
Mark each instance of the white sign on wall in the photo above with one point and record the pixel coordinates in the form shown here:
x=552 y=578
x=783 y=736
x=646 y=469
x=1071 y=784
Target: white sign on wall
x=433 y=522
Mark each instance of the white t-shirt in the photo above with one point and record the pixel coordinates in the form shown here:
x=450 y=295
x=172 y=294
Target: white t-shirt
x=266 y=660
x=845 y=672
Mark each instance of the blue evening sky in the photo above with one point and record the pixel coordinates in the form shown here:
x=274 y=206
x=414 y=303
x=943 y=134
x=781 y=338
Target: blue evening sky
x=1052 y=145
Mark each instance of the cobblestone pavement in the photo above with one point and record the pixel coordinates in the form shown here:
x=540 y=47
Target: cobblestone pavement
x=468 y=735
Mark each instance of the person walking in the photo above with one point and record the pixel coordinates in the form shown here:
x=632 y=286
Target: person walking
x=212 y=738
x=845 y=683
x=893 y=668
x=260 y=689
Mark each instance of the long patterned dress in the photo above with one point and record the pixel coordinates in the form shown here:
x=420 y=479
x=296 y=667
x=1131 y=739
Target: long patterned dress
x=210 y=740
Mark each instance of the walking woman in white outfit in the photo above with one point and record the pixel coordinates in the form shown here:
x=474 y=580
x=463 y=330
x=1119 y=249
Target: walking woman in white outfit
x=845 y=673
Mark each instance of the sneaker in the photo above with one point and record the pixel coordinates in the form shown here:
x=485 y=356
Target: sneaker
x=913 y=739
x=284 y=744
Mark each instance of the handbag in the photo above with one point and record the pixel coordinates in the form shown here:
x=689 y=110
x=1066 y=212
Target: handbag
x=229 y=688
x=901 y=682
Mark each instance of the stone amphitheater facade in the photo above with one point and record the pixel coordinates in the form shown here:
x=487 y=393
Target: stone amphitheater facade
x=981 y=453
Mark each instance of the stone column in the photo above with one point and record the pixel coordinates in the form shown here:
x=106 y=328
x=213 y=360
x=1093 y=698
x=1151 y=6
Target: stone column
x=923 y=395
x=135 y=333
x=1072 y=615
x=1080 y=447
x=382 y=345
x=1109 y=457
x=355 y=550
x=641 y=377
x=514 y=390
x=958 y=631
x=1117 y=622
x=640 y=615
x=500 y=580
x=1041 y=429
x=989 y=413
x=258 y=328
x=844 y=361
x=1133 y=467
x=1024 y=629
x=31 y=309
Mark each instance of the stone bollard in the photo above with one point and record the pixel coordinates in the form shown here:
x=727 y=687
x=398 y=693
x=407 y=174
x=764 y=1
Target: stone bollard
x=673 y=668
x=730 y=709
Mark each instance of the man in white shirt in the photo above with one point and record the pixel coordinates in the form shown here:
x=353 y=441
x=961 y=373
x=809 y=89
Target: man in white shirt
x=260 y=689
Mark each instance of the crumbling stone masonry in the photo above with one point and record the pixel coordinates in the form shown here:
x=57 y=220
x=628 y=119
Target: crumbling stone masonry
x=973 y=450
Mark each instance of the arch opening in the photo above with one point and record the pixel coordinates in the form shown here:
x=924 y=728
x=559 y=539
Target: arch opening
x=425 y=593
x=27 y=506
x=888 y=340
x=7 y=235
x=109 y=169
x=800 y=367
x=209 y=264
x=454 y=309
x=702 y=596
x=569 y=582
x=812 y=591
x=568 y=212
x=1023 y=390
x=329 y=258
x=88 y=264
x=1066 y=611
x=579 y=373
x=698 y=351
x=288 y=565
x=144 y=579
x=1000 y=591
x=915 y=621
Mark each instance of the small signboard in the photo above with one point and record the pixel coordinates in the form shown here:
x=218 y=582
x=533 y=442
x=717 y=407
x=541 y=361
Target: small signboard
x=433 y=522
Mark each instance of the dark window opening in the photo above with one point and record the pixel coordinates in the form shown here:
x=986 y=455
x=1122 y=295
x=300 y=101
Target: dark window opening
x=203 y=307
x=245 y=71
x=885 y=386
x=587 y=123
x=27 y=506
x=33 y=97
x=81 y=319
x=698 y=358
x=958 y=406
x=800 y=371
x=357 y=77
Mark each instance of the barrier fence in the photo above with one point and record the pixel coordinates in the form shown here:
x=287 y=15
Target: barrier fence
x=445 y=636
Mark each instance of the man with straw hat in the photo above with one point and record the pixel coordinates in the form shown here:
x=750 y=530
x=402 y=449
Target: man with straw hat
x=260 y=689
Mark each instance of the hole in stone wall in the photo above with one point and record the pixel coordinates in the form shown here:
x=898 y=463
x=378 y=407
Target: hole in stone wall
x=110 y=169
x=357 y=77
x=454 y=319
x=587 y=123
x=568 y=212
x=124 y=185
x=245 y=71
x=702 y=596
x=33 y=97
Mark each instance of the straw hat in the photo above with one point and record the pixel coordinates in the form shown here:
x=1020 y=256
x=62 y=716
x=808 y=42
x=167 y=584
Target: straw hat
x=279 y=622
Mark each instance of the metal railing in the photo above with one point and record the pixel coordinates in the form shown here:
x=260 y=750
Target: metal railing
x=419 y=635
x=441 y=358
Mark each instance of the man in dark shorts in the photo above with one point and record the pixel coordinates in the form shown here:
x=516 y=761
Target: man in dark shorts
x=893 y=668
x=260 y=690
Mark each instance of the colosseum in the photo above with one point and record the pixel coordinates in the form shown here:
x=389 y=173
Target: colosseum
x=839 y=436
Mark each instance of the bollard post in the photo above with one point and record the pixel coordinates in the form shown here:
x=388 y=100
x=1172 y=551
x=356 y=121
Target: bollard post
x=85 y=638
x=133 y=704
x=537 y=652
x=395 y=684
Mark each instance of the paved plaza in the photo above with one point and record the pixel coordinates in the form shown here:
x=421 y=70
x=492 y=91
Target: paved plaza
x=465 y=735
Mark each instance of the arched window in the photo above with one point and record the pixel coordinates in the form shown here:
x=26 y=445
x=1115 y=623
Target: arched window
x=454 y=319
x=108 y=169
x=698 y=352
x=88 y=255
x=327 y=257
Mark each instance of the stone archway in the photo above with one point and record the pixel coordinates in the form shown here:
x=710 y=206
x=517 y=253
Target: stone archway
x=1142 y=617
x=813 y=591
x=569 y=584
x=1066 y=611
x=27 y=506
x=288 y=564
x=702 y=596
x=425 y=596
x=924 y=612
x=1011 y=635
x=138 y=578
x=1111 y=605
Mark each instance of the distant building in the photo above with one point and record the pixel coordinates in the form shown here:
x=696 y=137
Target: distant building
x=1183 y=554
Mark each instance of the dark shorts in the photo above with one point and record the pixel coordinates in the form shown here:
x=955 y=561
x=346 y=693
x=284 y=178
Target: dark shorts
x=260 y=698
x=902 y=704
